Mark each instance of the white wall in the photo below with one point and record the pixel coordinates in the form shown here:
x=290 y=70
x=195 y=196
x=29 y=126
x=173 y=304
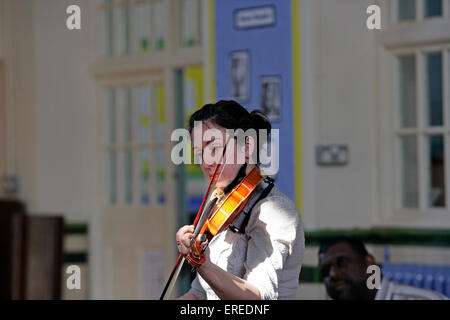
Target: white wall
x=342 y=108
x=65 y=109
x=17 y=52
x=50 y=105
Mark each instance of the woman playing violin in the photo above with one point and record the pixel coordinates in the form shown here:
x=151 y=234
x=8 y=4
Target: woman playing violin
x=263 y=260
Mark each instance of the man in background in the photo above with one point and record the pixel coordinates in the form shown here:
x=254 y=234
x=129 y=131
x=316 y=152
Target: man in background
x=343 y=264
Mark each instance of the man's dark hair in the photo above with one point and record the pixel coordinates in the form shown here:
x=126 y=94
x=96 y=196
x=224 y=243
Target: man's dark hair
x=357 y=245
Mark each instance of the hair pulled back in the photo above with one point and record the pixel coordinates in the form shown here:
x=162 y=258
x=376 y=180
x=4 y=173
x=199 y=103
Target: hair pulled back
x=231 y=115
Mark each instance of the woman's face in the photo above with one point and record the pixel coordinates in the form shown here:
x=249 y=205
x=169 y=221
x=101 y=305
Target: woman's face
x=208 y=144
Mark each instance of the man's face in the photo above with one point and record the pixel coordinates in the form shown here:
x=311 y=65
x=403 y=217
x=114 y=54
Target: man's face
x=343 y=272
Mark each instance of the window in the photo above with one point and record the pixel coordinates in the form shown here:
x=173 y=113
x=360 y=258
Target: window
x=141 y=39
x=136 y=156
x=414 y=100
x=190 y=26
x=422 y=128
x=139 y=101
x=157 y=26
x=133 y=26
x=433 y=8
x=406 y=10
x=409 y=10
x=120 y=28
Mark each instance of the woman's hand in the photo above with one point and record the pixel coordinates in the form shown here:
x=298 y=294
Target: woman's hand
x=226 y=285
x=184 y=237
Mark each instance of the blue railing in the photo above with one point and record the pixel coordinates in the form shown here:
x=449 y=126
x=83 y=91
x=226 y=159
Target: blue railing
x=429 y=277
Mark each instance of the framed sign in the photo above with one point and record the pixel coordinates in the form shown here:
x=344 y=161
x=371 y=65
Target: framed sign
x=254 y=17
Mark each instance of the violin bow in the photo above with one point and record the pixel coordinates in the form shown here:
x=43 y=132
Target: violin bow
x=201 y=216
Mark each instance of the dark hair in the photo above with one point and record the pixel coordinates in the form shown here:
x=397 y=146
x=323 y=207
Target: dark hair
x=357 y=245
x=231 y=115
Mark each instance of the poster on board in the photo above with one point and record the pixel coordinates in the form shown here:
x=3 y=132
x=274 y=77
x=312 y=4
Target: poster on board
x=271 y=97
x=240 y=76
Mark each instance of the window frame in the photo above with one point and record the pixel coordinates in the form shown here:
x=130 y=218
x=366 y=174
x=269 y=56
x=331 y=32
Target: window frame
x=152 y=66
x=420 y=12
x=419 y=37
x=172 y=36
x=422 y=131
x=134 y=145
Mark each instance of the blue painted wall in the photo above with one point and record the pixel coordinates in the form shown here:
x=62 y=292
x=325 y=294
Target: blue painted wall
x=270 y=51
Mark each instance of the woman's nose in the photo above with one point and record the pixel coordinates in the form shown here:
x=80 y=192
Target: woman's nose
x=207 y=165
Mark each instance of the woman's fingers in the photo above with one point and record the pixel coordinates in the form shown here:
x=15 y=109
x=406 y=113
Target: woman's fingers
x=184 y=232
x=183 y=238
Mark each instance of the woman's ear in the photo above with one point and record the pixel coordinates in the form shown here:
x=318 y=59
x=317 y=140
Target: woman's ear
x=250 y=150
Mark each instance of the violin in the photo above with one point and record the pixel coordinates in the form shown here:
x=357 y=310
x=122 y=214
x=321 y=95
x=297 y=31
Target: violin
x=227 y=209
x=217 y=216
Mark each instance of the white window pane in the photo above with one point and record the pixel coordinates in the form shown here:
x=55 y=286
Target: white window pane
x=111 y=115
x=433 y=8
x=143 y=114
x=436 y=190
x=127 y=116
x=159 y=112
x=157 y=25
x=108 y=25
x=161 y=174
x=144 y=167
x=434 y=87
x=112 y=177
x=121 y=28
x=409 y=173
x=407 y=91
x=123 y=112
x=142 y=14
x=190 y=28
x=127 y=176
x=406 y=10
